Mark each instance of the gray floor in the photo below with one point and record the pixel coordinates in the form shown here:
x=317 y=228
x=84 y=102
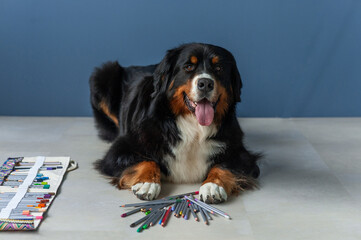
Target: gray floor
x=310 y=183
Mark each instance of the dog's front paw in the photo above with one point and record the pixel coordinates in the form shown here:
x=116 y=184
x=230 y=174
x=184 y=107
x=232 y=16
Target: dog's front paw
x=146 y=191
x=212 y=193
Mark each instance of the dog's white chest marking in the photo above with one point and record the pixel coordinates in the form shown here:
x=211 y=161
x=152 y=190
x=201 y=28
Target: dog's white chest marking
x=190 y=162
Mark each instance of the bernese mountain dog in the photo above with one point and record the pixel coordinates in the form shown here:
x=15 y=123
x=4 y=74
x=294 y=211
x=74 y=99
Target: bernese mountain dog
x=174 y=121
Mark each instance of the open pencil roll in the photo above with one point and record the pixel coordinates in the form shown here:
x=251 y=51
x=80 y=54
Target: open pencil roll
x=28 y=185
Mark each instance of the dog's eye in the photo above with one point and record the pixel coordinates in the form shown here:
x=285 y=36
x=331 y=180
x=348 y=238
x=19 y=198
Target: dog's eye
x=189 y=67
x=218 y=68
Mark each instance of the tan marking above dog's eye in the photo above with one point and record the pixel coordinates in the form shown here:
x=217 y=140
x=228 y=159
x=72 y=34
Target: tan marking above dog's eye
x=215 y=59
x=194 y=59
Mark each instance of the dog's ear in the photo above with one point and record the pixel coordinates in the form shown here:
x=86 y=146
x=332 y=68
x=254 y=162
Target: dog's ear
x=164 y=71
x=236 y=83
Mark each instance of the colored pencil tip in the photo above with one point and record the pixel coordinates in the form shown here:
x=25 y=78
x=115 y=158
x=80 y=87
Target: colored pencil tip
x=140 y=229
x=123 y=215
x=196 y=193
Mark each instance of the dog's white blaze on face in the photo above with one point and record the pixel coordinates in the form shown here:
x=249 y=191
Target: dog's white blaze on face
x=190 y=164
x=194 y=90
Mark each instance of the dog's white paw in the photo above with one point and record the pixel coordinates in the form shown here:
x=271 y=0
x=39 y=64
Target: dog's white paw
x=146 y=191
x=212 y=193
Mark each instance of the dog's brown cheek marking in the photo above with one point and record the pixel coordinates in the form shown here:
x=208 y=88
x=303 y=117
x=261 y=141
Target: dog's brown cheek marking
x=104 y=107
x=177 y=103
x=222 y=105
x=146 y=171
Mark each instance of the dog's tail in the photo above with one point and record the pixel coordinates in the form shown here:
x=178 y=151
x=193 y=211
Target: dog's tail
x=105 y=97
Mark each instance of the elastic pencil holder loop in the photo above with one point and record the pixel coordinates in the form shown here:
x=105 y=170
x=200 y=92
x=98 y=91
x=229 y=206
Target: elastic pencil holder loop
x=72 y=165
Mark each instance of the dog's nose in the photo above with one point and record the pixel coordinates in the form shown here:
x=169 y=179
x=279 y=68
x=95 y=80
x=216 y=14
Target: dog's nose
x=205 y=84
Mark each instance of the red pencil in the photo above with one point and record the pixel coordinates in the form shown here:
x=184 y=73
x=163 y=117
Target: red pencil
x=166 y=216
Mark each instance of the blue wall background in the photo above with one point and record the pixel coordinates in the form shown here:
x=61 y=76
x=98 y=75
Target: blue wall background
x=296 y=58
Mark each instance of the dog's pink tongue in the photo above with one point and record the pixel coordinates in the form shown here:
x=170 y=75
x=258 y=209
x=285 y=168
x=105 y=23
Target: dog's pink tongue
x=204 y=112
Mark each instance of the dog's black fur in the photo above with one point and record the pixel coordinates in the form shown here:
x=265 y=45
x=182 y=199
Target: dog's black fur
x=145 y=128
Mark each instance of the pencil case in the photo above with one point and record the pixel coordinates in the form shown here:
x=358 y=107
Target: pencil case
x=29 y=185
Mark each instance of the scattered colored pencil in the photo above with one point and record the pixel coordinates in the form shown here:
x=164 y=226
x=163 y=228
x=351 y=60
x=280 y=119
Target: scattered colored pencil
x=182 y=205
x=150 y=203
x=218 y=211
x=139 y=221
x=199 y=205
x=166 y=216
x=156 y=218
x=203 y=216
x=162 y=217
x=193 y=211
x=130 y=212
